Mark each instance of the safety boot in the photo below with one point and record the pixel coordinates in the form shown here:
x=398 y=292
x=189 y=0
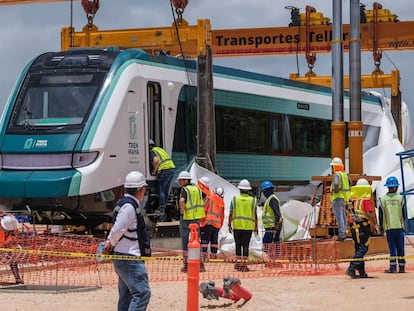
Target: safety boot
x=351 y=273
x=402 y=269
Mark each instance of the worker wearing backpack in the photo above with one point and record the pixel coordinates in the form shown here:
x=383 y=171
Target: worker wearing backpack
x=133 y=284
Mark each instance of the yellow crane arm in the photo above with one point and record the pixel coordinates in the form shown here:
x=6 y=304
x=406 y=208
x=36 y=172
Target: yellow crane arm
x=190 y=40
x=244 y=41
x=374 y=80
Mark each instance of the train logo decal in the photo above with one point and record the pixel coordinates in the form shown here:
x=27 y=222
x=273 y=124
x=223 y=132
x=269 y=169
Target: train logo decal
x=35 y=143
x=132 y=127
x=133 y=148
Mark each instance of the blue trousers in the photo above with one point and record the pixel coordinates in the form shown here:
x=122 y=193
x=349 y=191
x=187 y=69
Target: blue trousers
x=338 y=206
x=133 y=285
x=271 y=243
x=185 y=231
x=164 y=181
x=395 y=239
x=360 y=235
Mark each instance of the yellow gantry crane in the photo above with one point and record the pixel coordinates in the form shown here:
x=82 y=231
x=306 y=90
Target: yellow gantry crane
x=385 y=33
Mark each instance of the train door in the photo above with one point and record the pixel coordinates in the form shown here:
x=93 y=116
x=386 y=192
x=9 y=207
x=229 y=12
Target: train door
x=155 y=115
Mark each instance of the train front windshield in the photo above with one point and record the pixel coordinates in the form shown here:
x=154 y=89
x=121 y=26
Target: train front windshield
x=56 y=99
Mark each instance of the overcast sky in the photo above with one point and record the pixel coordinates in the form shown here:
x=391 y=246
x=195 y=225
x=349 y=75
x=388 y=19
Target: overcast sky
x=31 y=29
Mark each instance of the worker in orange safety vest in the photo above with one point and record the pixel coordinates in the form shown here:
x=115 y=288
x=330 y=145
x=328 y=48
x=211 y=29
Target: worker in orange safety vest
x=212 y=223
x=8 y=227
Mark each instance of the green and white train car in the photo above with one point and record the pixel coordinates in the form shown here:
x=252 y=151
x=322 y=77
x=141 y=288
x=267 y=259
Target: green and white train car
x=78 y=121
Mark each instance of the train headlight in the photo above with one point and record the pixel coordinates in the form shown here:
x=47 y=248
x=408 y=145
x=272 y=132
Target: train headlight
x=84 y=158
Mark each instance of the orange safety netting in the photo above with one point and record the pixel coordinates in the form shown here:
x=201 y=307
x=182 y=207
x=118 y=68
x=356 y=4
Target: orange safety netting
x=71 y=260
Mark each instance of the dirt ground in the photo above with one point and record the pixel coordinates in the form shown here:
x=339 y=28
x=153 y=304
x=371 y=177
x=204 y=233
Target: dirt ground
x=379 y=292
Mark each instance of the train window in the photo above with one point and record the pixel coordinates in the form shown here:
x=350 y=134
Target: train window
x=249 y=131
x=253 y=131
x=371 y=136
x=155 y=124
x=61 y=105
x=55 y=99
x=185 y=132
x=69 y=79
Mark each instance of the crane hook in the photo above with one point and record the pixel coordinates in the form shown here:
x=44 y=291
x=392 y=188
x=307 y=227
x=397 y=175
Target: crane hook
x=179 y=8
x=90 y=7
x=180 y=4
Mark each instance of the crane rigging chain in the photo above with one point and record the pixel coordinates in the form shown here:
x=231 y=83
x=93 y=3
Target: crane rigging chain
x=90 y=7
x=310 y=57
x=376 y=53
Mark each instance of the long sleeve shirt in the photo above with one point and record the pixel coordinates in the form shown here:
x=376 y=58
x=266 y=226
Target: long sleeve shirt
x=126 y=219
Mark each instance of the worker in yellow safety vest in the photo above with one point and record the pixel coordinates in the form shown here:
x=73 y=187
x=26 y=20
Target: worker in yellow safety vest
x=362 y=222
x=392 y=219
x=340 y=192
x=163 y=167
x=190 y=203
x=242 y=222
x=272 y=220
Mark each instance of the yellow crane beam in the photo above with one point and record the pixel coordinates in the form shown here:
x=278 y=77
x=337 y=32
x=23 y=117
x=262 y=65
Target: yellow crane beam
x=373 y=81
x=392 y=36
x=190 y=40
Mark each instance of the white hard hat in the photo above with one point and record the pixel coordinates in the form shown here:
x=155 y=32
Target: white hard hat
x=244 y=184
x=205 y=180
x=184 y=175
x=135 y=179
x=336 y=161
x=219 y=191
x=151 y=142
x=9 y=222
x=362 y=181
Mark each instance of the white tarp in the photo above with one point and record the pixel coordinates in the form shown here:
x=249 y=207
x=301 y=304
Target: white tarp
x=294 y=225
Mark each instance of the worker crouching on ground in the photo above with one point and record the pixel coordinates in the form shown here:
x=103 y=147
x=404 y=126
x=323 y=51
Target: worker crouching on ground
x=212 y=223
x=340 y=192
x=361 y=221
x=271 y=218
x=391 y=216
x=190 y=203
x=8 y=232
x=242 y=222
